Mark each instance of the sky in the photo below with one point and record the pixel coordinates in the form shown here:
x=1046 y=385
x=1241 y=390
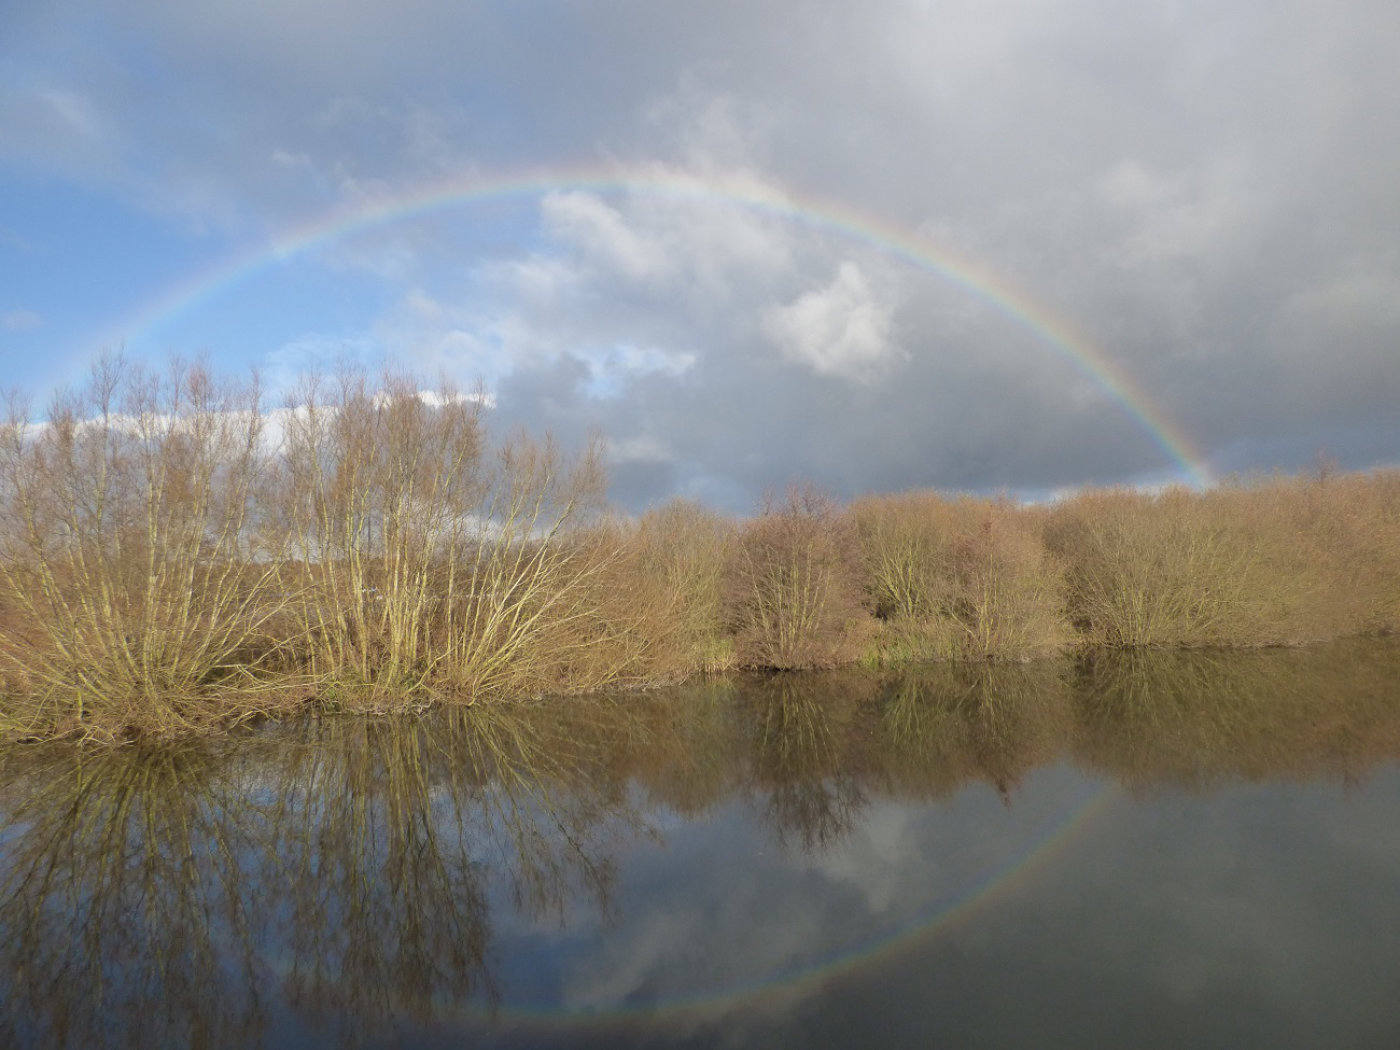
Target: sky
x=1012 y=246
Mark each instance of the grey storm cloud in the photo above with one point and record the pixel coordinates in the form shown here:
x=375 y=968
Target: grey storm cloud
x=1205 y=190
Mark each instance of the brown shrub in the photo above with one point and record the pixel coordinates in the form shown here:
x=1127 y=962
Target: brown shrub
x=962 y=578
x=1339 y=535
x=134 y=598
x=680 y=550
x=424 y=563
x=1279 y=561
x=375 y=488
x=1153 y=570
x=793 y=586
x=904 y=544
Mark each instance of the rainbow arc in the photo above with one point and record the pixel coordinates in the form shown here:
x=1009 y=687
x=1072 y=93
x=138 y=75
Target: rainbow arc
x=1055 y=333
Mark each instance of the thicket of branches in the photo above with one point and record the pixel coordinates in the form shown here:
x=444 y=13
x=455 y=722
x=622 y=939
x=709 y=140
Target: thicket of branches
x=176 y=554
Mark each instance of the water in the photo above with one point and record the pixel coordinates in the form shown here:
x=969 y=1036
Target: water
x=1187 y=849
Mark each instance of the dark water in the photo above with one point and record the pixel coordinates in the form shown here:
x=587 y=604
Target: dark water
x=1183 y=850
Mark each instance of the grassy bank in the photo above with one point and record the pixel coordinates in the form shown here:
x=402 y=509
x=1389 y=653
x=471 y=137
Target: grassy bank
x=175 y=556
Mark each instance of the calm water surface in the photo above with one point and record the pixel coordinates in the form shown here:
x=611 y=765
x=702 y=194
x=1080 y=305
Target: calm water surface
x=1186 y=849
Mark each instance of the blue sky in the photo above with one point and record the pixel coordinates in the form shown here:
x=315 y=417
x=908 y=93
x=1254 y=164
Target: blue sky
x=1203 y=192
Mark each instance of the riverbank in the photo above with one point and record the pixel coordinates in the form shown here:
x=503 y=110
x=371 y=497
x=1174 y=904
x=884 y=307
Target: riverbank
x=177 y=558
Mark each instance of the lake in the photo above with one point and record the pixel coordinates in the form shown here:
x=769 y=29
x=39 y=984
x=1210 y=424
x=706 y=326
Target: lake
x=1135 y=849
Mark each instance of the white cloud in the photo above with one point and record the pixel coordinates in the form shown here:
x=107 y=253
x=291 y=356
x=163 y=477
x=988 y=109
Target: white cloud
x=20 y=320
x=1179 y=215
x=840 y=330
x=535 y=279
x=678 y=229
x=314 y=354
x=75 y=113
x=643 y=448
x=640 y=359
x=601 y=231
x=1366 y=292
x=711 y=131
x=1130 y=185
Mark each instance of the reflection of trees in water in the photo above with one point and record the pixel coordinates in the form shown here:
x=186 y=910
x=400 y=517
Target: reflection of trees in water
x=118 y=905
x=348 y=866
x=824 y=744
x=389 y=909
x=689 y=761
x=945 y=725
x=801 y=728
x=149 y=898
x=1204 y=717
x=1146 y=717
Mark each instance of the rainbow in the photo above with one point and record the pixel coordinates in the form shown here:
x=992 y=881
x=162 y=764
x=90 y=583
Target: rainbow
x=912 y=249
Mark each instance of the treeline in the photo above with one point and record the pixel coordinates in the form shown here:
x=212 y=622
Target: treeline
x=173 y=555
